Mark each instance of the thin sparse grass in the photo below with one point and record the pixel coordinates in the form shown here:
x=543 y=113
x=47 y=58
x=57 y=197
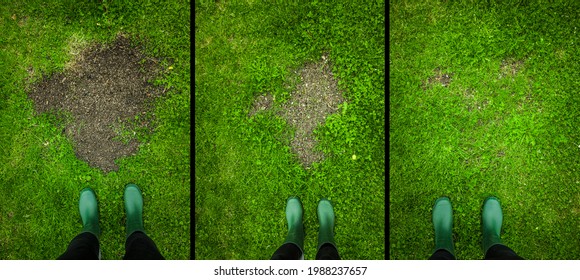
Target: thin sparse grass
x=505 y=125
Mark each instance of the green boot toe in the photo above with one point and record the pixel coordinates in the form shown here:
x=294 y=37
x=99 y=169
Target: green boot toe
x=133 y=209
x=443 y=224
x=492 y=219
x=88 y=208
x=294 y=215
x=326 y=219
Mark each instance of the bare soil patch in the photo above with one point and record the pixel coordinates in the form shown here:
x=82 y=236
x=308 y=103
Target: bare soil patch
x=107 y=91
x=439 y=77
x=315 y=97
x=262 y=103
x=469 y=95
x=510 y=67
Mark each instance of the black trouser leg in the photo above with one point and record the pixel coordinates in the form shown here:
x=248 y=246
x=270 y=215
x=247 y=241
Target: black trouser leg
x=327 y=252
x=84 y=246
x=501 y=252
x=442 y=254
x=140 y=247
x=288 y=251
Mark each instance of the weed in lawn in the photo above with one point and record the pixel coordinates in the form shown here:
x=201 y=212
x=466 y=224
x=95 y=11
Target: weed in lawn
x=104 y=89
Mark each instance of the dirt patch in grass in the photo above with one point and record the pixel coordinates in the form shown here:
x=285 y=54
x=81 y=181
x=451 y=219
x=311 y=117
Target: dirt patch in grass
x=262 y=103
x=469 y=95
x=510 y=67
x=107 y=91
x=316 y=96
x=439 y=77
x=21 y=20
x=477 y=105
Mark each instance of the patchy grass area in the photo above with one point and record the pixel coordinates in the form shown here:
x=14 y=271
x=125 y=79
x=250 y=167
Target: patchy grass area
x=289 y=101
x=41 y=175
x=105 y=97
x=483 y=101
x=314 y=99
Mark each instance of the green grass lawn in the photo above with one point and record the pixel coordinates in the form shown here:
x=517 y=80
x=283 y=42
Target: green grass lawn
x=40 y=177
x=244 y=167
x=506 y=124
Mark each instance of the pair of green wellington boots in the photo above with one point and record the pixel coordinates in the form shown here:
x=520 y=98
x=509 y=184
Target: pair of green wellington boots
x=89 y=210
x=294 y=216
x=492 y=219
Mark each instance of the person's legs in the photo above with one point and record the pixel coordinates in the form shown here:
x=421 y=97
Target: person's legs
x=442 y=218
x=492 y=219
x=293 y=246
x=442 y=254
x=327 y=249
x=138 y=245
x=85 y=246
x=501 y=252
x=288 y=251
x=327 y=252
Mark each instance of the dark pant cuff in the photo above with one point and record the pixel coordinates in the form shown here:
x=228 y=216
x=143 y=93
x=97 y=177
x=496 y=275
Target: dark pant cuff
x=327 y=252
x=140 y=247
x=84 y=246
x=501 y=252
x=288 y=251
x=442 y=254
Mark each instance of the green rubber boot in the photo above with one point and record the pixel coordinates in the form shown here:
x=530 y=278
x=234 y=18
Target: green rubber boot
x=89 y=210
x=133 y=209
x=492 y=219
x=294 y=214
x=326 y=221
x=443 y=224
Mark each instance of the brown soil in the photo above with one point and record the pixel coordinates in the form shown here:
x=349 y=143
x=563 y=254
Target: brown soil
x=105 y=90
x=316 y=96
